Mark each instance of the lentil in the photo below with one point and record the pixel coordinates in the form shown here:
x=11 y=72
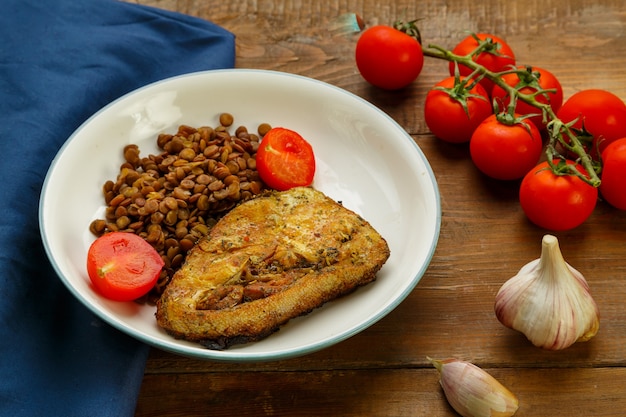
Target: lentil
x=174 y=198
x=263 y=129
x=226 y=119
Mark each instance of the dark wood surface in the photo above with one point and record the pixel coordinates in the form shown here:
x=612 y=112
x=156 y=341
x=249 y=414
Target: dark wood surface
x=484 y=239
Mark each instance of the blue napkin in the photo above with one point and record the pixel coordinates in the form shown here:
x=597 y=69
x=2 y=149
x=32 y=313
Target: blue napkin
x=60 y=62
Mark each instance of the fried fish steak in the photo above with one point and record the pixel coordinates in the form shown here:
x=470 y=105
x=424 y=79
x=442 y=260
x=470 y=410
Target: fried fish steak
x=272 y=258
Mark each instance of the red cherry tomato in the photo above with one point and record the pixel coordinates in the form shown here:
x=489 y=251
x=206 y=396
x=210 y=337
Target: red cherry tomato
x=122 y=266
x=285 y=159
x=603 y=115
x=505 y=151
x=498 y=59
x=388 y=58
x=613 y=185
x=445 y=113
x=527 y=83
x=556 y=202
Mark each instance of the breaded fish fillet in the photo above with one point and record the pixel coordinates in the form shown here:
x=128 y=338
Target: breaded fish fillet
x=272 y=258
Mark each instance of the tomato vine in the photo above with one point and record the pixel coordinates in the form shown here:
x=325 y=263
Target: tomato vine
x=559 y=133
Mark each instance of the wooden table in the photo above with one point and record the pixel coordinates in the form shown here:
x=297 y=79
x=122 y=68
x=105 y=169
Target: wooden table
x=484 y=240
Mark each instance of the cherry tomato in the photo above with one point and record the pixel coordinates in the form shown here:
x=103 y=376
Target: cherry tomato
x=603 y=115
x=505 y=151
x=122 y=266
x=528 y=82
x=556 y=202
x=285 y=159
x=498 y=58
x=452 y=112
x=388 y=58
x=613 y=185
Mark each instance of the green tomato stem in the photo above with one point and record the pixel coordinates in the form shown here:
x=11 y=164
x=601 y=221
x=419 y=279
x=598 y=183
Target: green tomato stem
x=559 y=132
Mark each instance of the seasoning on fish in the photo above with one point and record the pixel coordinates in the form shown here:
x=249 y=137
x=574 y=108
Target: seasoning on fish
x=270 y=259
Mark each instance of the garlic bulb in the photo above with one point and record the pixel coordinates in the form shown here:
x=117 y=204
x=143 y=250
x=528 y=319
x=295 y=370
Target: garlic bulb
x=549 y=301
x=472 y=392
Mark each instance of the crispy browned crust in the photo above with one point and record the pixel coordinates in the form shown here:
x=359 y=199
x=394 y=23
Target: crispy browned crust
x=269 y=260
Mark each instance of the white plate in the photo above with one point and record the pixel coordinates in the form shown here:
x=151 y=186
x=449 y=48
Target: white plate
x=364 y=159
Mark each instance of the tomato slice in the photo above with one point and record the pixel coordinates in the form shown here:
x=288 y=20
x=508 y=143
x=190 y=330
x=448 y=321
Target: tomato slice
x=285 y=159
x=122 y=266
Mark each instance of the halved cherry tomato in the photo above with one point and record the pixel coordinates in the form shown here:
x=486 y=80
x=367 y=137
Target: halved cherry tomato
x=529 y=81
x=556 y=202
x=497 y=58
x=285 y=159
x=122 y=266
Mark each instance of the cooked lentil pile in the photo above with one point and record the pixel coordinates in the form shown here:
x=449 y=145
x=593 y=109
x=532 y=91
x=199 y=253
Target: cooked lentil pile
x=174 y=198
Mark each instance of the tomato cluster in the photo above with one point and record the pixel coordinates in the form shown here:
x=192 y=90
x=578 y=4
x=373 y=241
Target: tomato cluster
x=507 y=143
x=507 y=134
x=505 y=138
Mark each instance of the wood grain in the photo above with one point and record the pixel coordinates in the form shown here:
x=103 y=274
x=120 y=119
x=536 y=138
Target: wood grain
x=378 y=392
x=484 y=240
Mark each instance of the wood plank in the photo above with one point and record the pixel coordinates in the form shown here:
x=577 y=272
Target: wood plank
x=388 y=392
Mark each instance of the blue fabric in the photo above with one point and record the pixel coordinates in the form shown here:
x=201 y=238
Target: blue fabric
x=60 y=62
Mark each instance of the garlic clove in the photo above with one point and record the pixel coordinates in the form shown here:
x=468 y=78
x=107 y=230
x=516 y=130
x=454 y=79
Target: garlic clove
x=473 y=392
x=549 y=301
